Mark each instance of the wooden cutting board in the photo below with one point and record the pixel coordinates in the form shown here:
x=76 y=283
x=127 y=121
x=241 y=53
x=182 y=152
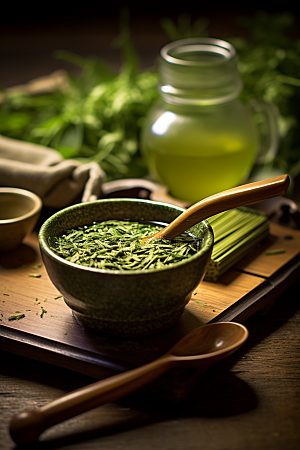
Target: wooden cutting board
x=49 y=332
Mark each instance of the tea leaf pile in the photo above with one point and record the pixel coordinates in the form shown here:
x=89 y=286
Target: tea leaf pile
x=116 y=245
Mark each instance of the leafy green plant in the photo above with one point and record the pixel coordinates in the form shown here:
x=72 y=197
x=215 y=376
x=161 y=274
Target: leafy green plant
x=270 y=68
x=99 y=117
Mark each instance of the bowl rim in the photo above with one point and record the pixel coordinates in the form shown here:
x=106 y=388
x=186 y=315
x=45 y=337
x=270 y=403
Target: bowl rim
x=45 y=247
x=38 y=203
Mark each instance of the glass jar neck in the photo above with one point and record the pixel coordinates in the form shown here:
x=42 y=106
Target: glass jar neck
x=200 y=71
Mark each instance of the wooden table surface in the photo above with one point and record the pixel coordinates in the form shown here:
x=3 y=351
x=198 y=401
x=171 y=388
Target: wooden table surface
x=249 y=401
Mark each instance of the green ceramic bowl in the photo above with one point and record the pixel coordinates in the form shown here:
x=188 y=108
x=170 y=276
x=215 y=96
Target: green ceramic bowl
x=127 y=303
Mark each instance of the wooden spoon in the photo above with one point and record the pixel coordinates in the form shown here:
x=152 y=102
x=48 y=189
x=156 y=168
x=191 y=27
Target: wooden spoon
x=223 y=201
x=200 y=348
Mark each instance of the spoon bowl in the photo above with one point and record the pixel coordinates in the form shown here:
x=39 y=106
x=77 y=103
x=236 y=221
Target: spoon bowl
x=209 y=343
x=202 y=347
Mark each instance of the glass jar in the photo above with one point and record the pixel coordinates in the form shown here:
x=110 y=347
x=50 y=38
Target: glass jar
x=199 y=139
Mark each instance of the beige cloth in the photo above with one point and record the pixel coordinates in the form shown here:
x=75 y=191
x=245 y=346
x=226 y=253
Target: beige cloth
x=43 y=171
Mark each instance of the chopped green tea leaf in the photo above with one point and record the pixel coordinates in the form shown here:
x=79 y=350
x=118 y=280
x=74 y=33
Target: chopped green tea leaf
x=16 y=317
x=199 y=303
x=275 y=252
x=43 y=312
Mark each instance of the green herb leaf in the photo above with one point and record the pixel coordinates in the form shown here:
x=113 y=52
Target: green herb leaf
x=275 y=252
x=199 y=303
x=43 y=312
x=16 y=317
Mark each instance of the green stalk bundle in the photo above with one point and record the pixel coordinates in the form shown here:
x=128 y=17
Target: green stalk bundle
x=236 y=232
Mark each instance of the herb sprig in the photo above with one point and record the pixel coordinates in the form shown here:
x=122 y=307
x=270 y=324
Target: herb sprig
x=116 y=245
x=97 y=117
x=100 y=115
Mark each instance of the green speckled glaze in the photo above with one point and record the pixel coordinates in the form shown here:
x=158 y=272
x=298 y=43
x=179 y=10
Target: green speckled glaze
x=124 y=303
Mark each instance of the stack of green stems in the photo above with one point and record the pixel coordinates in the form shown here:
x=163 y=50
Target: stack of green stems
x=235 y=233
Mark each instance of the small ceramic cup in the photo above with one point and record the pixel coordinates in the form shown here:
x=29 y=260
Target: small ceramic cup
x=19 y=213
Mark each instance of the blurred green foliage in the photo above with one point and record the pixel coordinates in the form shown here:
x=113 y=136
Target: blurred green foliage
x=269 y=62
x=101 y=114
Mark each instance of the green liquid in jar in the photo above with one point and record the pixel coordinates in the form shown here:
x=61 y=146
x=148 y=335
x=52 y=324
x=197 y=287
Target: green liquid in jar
x=198 y=156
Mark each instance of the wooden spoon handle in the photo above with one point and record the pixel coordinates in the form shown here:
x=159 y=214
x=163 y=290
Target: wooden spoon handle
x=223 y=201
x=26 y=426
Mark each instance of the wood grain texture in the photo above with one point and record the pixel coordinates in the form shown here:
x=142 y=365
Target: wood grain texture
x=55 y=336
x=250 y=401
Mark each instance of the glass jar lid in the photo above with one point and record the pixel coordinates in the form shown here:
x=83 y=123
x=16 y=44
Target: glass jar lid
x=199 y=71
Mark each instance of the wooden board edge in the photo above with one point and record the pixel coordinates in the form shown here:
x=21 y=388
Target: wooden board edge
x=264 y=295
x=35 y=347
